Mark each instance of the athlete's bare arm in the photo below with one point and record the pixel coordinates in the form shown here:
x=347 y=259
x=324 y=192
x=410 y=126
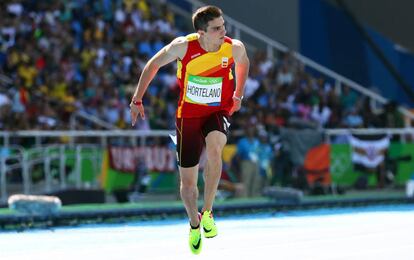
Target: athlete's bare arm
x=176 y=49
x=242 y=70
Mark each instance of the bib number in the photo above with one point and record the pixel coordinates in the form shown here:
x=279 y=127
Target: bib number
x=204 y=90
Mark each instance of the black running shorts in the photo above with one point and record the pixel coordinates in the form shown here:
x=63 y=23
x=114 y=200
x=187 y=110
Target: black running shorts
x=191 y=134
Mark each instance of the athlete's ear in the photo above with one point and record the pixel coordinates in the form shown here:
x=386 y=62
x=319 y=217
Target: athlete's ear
x=201 y=32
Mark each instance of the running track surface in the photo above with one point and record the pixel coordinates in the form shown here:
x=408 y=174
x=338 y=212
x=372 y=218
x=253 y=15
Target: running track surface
x=367 y=233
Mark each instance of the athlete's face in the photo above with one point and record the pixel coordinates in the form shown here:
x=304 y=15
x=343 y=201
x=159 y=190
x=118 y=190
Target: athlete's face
x=216 y=30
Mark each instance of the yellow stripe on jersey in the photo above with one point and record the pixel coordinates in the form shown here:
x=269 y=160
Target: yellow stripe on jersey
x=209 y=60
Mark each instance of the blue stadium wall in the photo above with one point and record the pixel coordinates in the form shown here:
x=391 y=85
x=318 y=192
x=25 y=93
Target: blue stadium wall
x=328 y=36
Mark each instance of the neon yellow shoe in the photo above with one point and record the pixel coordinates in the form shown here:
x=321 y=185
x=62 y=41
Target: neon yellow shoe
x=195 y=241
x=209 y=227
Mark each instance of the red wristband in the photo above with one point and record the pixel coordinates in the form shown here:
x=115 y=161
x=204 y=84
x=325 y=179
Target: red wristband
x=137 y=102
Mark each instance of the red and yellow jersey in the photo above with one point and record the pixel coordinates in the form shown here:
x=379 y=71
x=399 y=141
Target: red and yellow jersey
x=205 y=79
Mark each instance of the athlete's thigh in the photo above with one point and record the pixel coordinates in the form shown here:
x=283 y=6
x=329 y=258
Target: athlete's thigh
x=218 y=121
x=215 y=131
x=189 y=141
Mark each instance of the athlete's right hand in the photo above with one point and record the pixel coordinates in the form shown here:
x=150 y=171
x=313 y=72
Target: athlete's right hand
x=136 y=109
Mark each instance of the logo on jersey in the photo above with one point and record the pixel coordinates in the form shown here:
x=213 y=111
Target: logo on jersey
x=195 y=55
x=224 y=62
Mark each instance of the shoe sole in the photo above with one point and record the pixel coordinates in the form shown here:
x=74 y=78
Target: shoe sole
x=209 y=236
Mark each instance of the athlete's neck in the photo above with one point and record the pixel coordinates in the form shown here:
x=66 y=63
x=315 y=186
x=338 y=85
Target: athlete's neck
x=208 y=46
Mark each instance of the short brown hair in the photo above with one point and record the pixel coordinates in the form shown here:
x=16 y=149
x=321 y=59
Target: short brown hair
x=205 y=14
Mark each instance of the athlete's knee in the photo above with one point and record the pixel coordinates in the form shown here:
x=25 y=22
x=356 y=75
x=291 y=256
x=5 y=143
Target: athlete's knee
x=214 y=152
x=186 y=185
x=188 y=177
x=188 y=190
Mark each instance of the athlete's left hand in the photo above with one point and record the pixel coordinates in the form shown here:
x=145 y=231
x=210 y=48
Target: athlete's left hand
x=236 y=105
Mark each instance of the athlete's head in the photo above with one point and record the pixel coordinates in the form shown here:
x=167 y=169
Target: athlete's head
x=205 y=14
x=208 y=21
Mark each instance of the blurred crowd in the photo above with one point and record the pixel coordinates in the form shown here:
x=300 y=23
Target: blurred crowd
x=80 y=55
x=66 y=56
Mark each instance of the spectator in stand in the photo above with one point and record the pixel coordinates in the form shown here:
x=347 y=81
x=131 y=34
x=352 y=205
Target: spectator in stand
x=284 y=77
x=348 y=99
x=265 y=157
x=391 y=117
x=321 y=113
x=353 y=119
x=247 y=148
x=369 y=117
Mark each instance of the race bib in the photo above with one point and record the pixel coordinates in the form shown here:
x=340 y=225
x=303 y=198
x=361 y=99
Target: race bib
x=204 y=90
